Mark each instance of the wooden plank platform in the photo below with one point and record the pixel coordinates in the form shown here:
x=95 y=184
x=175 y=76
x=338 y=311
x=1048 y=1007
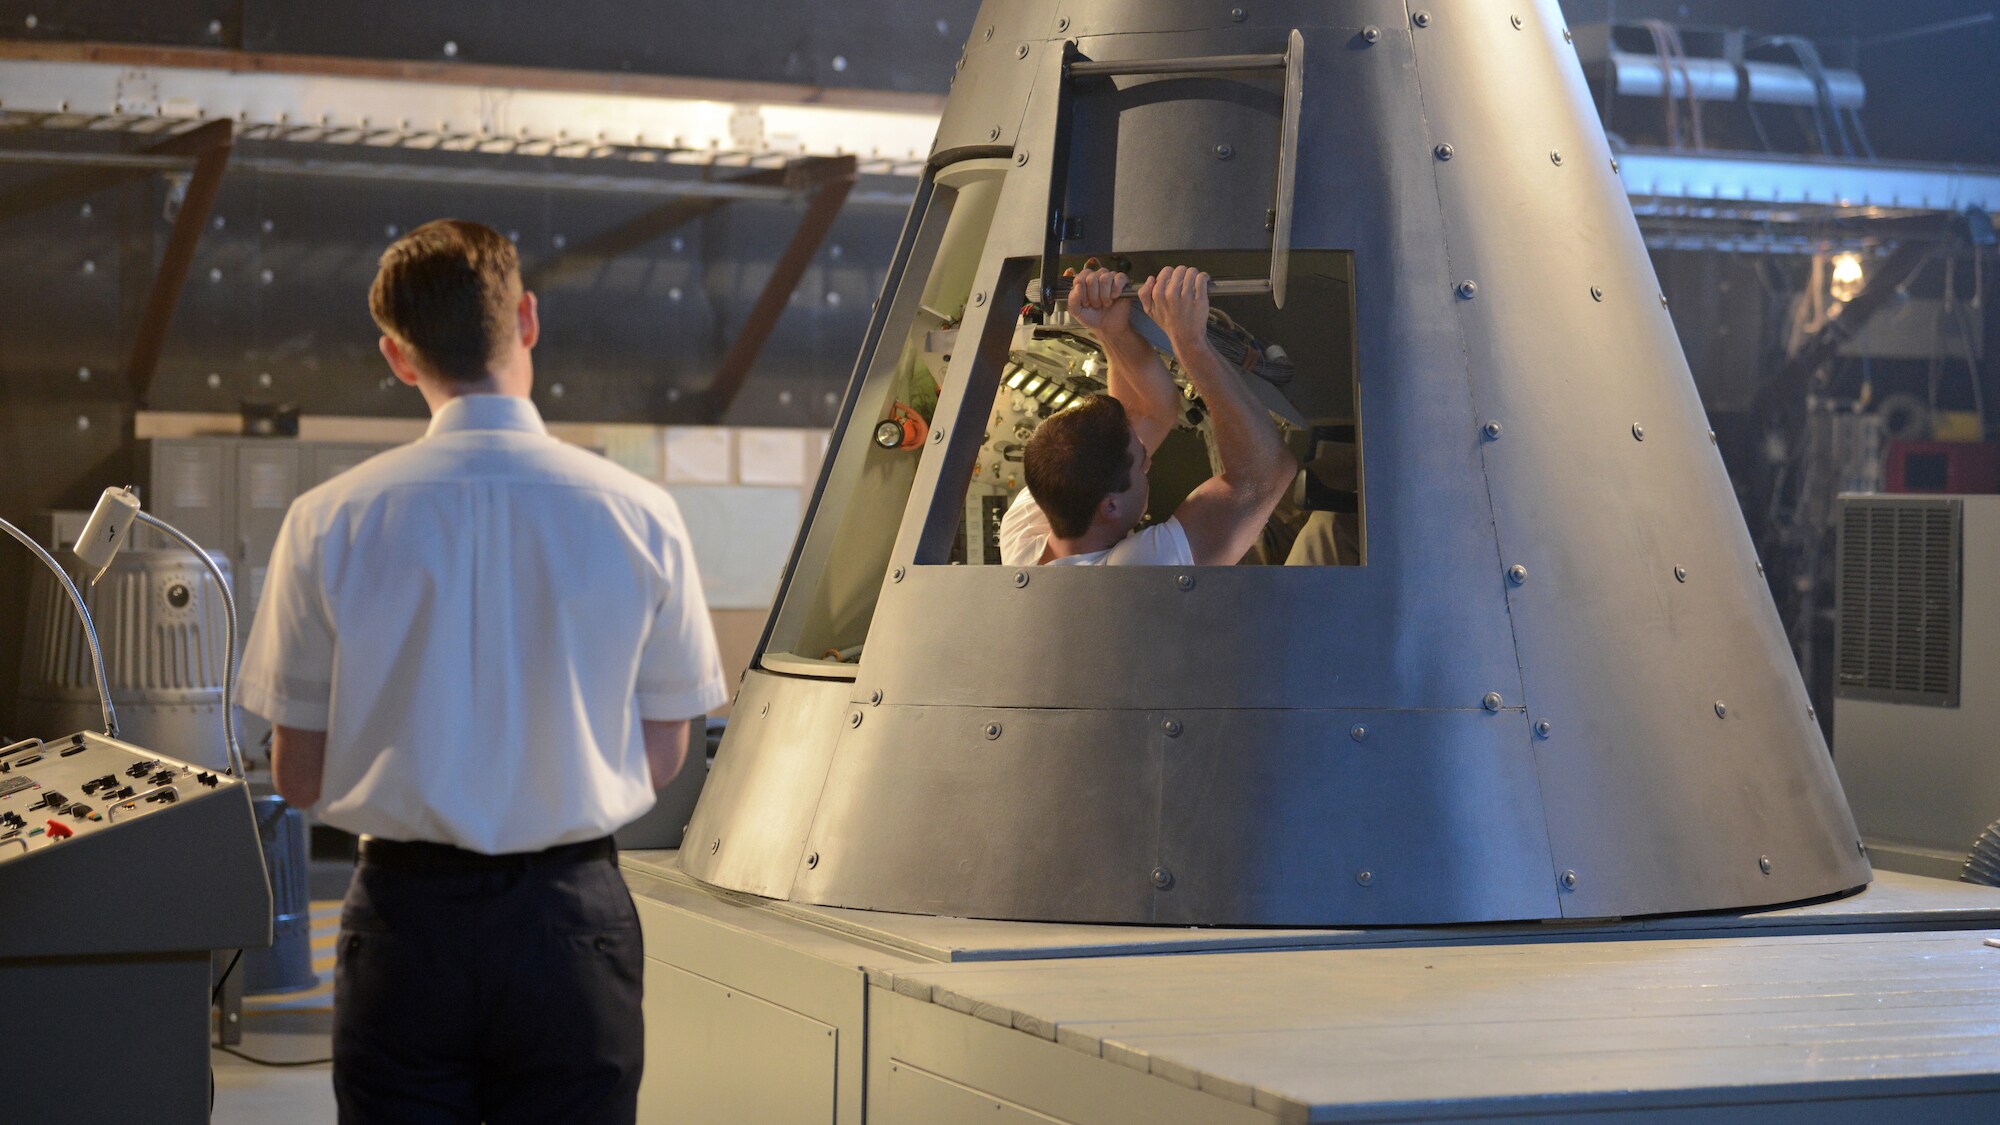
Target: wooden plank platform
x=1413 y=1033
x=1881 y=1006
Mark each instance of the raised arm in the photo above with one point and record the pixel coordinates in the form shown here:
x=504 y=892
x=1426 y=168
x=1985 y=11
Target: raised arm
x=1136 y=377
x=1224 y=516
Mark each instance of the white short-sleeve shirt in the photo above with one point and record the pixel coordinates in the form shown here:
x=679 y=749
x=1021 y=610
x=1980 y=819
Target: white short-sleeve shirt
x=1024 y=535
x=479 y=621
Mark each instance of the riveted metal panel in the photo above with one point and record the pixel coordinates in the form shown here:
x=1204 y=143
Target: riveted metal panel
x=758 y=803
x=1000 y=66
x=988 y=812
x=1124 y=17
x=1377 y=817
x=1681 y=756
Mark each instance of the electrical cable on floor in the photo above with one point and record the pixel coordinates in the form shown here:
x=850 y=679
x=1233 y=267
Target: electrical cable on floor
x=281 y=1064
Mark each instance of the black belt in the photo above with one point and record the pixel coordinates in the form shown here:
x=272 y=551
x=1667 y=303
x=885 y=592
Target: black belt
x=422 y=855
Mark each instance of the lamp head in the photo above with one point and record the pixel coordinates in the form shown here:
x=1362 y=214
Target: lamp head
x=109 y=527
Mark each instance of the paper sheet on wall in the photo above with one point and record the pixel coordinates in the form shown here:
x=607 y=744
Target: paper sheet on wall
x=773 y=457
x=742 y=537
x=697 y=454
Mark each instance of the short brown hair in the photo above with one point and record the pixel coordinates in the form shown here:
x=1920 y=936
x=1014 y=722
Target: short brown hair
x=447 y=293
x=1078 y=457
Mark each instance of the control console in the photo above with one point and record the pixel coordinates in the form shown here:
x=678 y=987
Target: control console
x=120 y=870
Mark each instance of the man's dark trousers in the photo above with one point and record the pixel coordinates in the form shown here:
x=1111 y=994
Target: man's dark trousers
x=495 y=989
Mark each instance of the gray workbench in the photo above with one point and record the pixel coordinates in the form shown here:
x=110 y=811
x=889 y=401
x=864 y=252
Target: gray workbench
x=1883 y=1005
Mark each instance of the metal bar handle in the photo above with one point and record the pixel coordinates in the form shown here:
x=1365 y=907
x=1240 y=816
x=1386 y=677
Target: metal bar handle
x=21 y=840
x=15 y=748
x=1217 y=287
x=1213 y=64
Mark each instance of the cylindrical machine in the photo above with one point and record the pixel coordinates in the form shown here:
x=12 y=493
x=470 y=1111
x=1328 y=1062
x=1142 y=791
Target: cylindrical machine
x=287 y=965
x=162 y=624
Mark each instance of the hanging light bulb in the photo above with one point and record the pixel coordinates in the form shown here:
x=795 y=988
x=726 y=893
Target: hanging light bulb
x=1847 y=276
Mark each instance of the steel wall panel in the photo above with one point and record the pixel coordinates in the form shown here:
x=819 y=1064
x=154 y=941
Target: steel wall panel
x=1647 y=636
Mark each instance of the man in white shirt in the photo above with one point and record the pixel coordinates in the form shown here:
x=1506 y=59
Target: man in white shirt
x=483 y=651
x=1086 y=465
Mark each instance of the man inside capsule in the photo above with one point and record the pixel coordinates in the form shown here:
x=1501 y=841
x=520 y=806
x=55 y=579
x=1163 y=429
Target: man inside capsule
x=1086 y=465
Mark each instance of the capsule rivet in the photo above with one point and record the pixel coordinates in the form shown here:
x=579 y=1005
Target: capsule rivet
x=898 y=574
x=1517 y=574
x=1238 y=14
x=1020 y=160
x=1680 y=574
x=715 y=845
x=979 y=298
x=1224 y=151
x=1162 y=878
x=1021 y=52
x=854 y=720
x=1491 y=430
x=1467 y=290
x=1543 y=727
x=1185 y=582
x=1569 y=880
x=1444 y=151
x=1721 y=709
x=1365 y=878
x=1638 y=432
x=1422 y=19
x=1491 y=701
x=1358 y=733
x=1062 y=24
x=812 y=861
x=1556 y=157
x=992 y=731
x=1596 y=293
x=1020 y=579
x=1764 y=864
x=1172 y=727
x=993 y=134
x=1516 y=21
x=1371 y=34
x=875 y=698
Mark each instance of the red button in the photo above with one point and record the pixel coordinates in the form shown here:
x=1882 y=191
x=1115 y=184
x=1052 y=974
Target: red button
x=58 y=830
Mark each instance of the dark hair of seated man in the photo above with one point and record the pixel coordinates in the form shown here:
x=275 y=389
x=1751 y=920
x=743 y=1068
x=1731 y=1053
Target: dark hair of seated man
x=1075 y=459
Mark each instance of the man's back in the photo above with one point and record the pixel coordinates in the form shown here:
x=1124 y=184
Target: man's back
x=498 y=608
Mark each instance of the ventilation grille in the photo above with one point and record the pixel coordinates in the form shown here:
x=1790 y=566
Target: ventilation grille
x=1899 y=601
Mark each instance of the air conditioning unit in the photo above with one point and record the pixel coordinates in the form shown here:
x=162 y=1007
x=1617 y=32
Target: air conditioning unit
x=1916 y=727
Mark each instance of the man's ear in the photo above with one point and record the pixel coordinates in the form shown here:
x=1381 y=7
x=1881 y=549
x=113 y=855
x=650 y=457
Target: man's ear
x=528 y=320
x=1108 y=510
x=399 y=361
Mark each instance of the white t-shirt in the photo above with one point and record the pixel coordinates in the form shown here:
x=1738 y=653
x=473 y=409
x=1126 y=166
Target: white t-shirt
x=1024 y=535
x=479 y=621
